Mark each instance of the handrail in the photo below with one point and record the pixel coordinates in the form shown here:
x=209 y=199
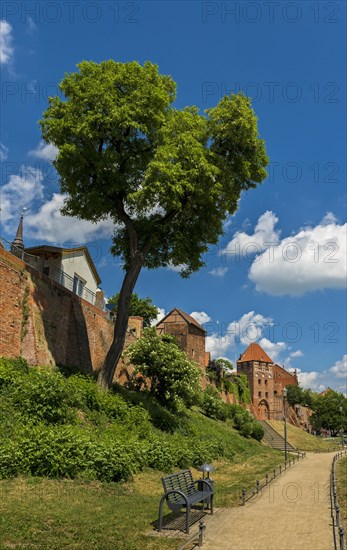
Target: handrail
x=59 y=276
x=335 y=508
x=269 y=477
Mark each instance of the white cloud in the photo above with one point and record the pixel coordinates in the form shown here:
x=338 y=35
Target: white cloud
x=31 y=25
x=44 y=151
x=334 y=377
x=328 y=219
x=273 y=349
x=313 y=259
x=200 y=316
x=340 y=368
x=21 y=190
x=297 y=353
x=219 y=271
x=3 y=152
x=160 y=316
x=6 y=48
x=48 y=224
x=249 y=328
x=176 y=268
x=292 y=355
x=264 y=234
x=43 y=220
x=310 y=380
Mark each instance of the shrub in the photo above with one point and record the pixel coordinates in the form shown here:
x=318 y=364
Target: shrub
x=171 y=377
x=12 y=369
x=213 y=405
x=43 y=395
x=258 y=431
x=245 y=423
x=67 y=427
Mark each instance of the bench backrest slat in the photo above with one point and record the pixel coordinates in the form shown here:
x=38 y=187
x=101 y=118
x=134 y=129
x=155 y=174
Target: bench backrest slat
x=181 y=481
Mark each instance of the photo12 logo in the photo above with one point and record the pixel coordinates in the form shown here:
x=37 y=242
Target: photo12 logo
x=273 y=91
x=228 y=13
x=71 y=12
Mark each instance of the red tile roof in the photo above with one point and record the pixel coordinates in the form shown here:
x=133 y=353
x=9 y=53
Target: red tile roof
x=185 y=316
x=255 y=353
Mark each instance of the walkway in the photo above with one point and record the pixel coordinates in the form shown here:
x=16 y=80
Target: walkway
x=292 y=513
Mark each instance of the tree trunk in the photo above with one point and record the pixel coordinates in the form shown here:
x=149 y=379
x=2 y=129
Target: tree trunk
x=106 y=374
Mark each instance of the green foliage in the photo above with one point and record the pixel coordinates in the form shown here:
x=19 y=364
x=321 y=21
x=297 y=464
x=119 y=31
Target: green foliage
x=165 y=370
x=168 y=178
x=57 y=427
x=215 y=408
x=327 y=413
x=245 y=423
x=142 y=307
x=296 y=395
x=178 y=173
x=222 y=364
x=212 y=404
x=243 y=388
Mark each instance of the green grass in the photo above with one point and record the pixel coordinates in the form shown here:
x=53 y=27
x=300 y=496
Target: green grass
x=44 y=513
x=303 y=440
x=341 y=477
x=53 y=514
x=53 y=426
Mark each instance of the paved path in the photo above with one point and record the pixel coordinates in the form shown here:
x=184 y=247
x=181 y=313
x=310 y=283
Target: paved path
x=292 y=513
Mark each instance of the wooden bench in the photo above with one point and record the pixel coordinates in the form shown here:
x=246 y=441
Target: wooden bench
x=182 y=491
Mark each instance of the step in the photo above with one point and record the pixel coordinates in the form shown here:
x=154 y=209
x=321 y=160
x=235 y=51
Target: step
x=274 y=439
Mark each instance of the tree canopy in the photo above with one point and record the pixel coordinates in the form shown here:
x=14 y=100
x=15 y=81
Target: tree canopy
x=167 y=178
x=327 y=414
x=142 y=307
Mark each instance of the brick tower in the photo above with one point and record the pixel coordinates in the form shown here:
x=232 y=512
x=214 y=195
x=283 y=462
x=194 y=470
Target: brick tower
x=266 y=381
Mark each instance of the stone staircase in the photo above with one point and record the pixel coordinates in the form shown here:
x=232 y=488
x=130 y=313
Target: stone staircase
x=274 y=439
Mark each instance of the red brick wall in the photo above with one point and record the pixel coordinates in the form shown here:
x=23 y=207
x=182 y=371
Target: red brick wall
x=272 y=381
x=189 y=338
x=48 y=324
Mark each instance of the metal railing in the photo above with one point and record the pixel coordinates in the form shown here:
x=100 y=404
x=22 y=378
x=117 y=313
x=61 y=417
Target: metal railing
x=247 y=495
x=55 y=273
x=338 y=530
x=197 y=537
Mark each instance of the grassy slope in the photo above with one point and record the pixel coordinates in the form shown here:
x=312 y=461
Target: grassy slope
x=341 y=476
x=42 y=513
x=303 y=440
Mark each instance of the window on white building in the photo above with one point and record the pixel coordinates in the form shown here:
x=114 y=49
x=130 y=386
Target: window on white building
x=78 y=285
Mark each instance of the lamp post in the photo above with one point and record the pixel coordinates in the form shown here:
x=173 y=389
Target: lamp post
x=341 y=425
x=206 y=469
x=285 y=424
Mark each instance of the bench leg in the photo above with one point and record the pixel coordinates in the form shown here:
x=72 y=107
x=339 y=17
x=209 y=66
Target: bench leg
x=211 y=504
x=187 y=518
x=160 y=523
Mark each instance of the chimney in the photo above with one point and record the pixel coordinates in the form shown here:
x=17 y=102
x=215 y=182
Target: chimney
x=100 y=299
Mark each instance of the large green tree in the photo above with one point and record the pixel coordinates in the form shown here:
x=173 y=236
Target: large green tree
x=327 y=414
x=167 y=178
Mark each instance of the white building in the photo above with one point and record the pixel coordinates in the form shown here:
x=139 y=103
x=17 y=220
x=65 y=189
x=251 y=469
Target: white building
x=70 y=267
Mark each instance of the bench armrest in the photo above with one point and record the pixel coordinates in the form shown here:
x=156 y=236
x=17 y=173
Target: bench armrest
x=173 y=491
x=204 y=481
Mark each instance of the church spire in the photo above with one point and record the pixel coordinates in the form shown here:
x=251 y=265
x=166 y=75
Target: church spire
x=18 y=240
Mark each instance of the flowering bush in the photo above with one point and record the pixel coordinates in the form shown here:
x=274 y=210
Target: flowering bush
x=164 y=370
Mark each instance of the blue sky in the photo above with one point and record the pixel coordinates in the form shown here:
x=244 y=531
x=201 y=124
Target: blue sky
x=278 y=275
